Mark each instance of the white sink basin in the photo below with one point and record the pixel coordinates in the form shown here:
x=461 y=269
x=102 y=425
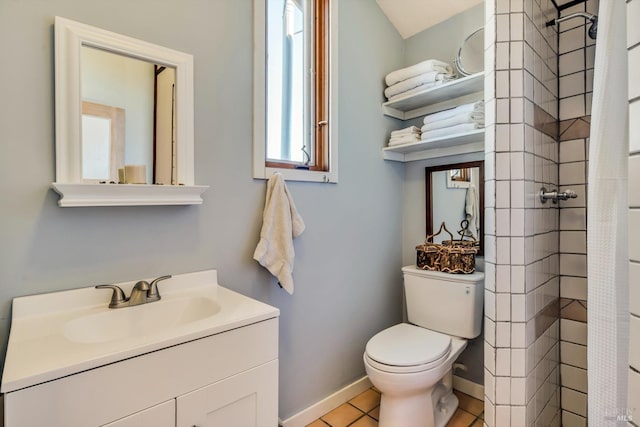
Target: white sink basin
x=62 y=333
x=140 y=320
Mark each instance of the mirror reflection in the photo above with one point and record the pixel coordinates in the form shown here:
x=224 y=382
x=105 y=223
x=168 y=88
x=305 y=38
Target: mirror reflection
x=128 y=119
x=455 y=195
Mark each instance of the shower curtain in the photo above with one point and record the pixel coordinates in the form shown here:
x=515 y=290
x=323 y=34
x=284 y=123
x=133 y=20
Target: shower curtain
x=608 y=287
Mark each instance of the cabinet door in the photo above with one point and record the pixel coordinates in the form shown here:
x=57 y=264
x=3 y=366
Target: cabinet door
x=162 y=415
x=248 y=399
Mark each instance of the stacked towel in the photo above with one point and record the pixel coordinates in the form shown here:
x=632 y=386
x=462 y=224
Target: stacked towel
x=405 y=136
x=418 y=77
x=461 y=119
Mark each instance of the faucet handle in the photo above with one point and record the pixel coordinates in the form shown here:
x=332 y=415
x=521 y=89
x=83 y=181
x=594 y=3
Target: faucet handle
x=117 y=297
x=152 y=293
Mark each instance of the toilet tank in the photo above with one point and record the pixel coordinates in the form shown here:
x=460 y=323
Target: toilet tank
x=444 y=302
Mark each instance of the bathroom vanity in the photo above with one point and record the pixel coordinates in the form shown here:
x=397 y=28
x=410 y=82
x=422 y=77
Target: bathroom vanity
x=201 y=356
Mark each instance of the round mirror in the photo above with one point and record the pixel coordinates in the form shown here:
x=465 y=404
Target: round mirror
x=470 y=58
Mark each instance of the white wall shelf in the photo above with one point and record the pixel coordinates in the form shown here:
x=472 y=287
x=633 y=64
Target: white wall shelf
x=75 y=195
x=438 y=98
x=449 y=95
x=470 y=142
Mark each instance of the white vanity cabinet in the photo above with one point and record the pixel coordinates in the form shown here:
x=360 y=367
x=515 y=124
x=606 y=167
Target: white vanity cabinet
x=227 y=379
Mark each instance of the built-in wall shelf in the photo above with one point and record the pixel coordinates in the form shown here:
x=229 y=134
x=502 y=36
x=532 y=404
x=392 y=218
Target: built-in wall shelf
x=470 y=142
x=438 y=98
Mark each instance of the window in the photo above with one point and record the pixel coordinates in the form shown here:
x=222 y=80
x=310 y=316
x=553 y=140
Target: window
x=294 y=125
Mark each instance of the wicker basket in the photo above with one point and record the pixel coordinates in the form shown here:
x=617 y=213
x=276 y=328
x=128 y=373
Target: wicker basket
x=429 y=254
x=452 y=256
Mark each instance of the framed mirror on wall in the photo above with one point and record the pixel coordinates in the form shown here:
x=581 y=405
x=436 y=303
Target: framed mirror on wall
x=124 y=120
x=455 y=196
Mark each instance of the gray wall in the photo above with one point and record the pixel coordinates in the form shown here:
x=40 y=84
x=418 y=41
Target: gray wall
x=442 y=42
x=347 y=271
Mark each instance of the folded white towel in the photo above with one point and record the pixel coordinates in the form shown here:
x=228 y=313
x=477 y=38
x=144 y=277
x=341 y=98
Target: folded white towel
x=404 y=139
x=416 y=89
x=281 y=223
x=405 y=131
x=405 y=85
x=417 y=69
x=472 y=117
x=450 y=131
x=471 y=107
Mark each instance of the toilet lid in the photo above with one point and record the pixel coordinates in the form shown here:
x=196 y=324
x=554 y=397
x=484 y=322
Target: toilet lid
x=408 y=345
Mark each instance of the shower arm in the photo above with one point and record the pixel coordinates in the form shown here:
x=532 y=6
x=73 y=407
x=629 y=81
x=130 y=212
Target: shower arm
x=585 y=15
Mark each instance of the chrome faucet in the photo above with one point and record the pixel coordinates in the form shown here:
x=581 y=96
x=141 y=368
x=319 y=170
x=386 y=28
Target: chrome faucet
x=142 y=293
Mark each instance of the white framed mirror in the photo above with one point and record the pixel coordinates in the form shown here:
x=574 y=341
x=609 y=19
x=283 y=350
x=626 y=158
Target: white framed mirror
x=124 y=120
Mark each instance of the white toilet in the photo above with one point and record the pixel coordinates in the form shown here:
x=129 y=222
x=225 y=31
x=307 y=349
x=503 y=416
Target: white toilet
x=411 y=363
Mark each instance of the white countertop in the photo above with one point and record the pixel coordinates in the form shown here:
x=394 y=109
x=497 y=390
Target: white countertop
x=40 y=348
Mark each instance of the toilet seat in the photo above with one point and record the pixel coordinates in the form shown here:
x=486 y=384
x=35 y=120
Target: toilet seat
x=406 y=348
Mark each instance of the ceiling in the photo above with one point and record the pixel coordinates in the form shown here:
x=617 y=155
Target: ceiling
x=412 y=16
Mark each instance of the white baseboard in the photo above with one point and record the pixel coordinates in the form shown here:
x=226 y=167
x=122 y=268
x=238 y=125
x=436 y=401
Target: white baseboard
x=468 y=387
x=315 y=411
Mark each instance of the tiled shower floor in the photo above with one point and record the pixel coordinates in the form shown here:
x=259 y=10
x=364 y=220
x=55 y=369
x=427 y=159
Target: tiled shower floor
x=363 y=410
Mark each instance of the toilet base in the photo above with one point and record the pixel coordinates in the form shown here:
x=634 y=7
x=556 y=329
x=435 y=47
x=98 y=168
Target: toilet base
x=417 y=411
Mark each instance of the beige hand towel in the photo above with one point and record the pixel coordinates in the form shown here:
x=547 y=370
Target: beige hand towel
x=281 y=223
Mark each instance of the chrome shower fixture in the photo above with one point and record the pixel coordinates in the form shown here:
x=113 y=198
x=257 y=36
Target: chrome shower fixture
x=593 y=30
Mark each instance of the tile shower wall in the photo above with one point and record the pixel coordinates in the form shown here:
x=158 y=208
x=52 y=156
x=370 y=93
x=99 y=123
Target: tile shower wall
x=522 y=261
x=633 y=43
x=576 y=58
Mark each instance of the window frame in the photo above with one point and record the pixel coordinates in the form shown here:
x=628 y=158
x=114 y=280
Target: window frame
x=325 y=168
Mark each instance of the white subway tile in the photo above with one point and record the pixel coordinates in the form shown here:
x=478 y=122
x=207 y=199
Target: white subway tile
x=634 y=342
x=573 y=218
x=574 y=401
x=489 y=413
x=516 y=59
x=518 y=194
x=503 y=193
x=503 y=250
x=490 y=331
x=502 y=6
x=572 y=40
x=502 y=111
x=517 y=26
x=571 y=62
x=502 y=56
x=573 y=84
x=634 y=391
x=503 y=415
x=489 y=358
x=516 y=83
x=502 y=84
x=518 y=416
x=634 y=244
x=573 y=354
x=489 y=388
x=517 y=251
x=502 y=222
x=634 y=287
x=634 y=127
x=573 y=242
x=502 y=28
x=574 y=287
x=572 y=107
x=633 y=30
x=503 y=393
x=518 y=335
x=502 y=138
x=572 y=173
x=503 y=307
x=634 y=179
x=569 y=419
x=634 y=71
x=503 y=362
x=517 y=279
x=572 y=151
x=503 y=334
x=490 y=304
x=517 y=110
x=573 y=331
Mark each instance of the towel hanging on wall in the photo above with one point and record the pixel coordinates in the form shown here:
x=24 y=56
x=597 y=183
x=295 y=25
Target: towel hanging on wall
x=281 y=223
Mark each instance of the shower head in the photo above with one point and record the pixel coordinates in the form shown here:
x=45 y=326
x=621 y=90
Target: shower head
x=593 y=30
